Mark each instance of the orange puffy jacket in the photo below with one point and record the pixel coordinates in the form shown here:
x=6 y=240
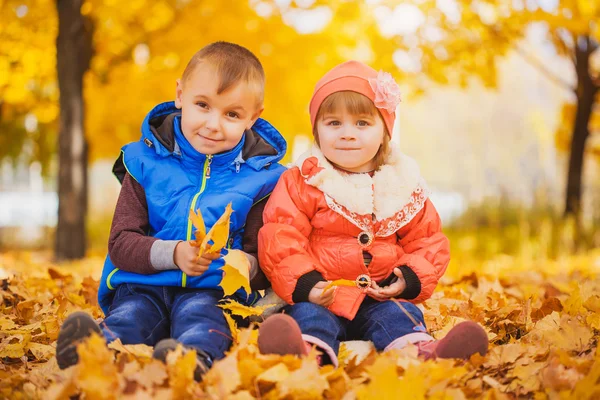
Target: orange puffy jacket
x=317 y=216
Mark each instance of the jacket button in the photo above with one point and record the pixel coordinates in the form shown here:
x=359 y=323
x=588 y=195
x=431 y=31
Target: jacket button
x=363 y=281
x=365 y=239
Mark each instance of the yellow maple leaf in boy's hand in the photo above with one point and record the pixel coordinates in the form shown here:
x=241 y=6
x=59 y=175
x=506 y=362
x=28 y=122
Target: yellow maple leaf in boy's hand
x=198 y=222
x=219 y=233
x=236 y=272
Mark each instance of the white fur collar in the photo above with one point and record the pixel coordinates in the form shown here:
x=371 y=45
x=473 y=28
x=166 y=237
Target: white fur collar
x=385 y=194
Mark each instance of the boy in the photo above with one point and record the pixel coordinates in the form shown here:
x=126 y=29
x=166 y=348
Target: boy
x=205 y=150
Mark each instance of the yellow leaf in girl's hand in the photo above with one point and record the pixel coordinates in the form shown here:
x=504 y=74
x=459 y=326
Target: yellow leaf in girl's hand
x=219 y=233
x=236 y=272
x=198 y=222
x=338 y=282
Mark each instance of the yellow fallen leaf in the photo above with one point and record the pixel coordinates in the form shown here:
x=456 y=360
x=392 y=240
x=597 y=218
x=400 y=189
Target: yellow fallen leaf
x=137 y=350
x=224 y=377
x=232 y=327
x=593 y=320
x=304 y=383
x=574 y=302
x=510 y=353
x=6 y=324
x=235 y=272
x=338 y=282
x=275 y=374
x=97 y=375
x=61 y=390
x=242 y=310
x=241 y=395
x=593 y=303
x=153 y=374
x=12 y=350
x=52 y=328
x=41 y=351
x=181 y=369
x=564 y=332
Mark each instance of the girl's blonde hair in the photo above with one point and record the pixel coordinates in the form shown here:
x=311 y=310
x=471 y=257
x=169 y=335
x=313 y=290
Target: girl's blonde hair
x=354 y=103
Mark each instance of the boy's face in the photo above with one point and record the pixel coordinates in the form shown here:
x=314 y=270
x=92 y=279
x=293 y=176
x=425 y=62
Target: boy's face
x=214 y=123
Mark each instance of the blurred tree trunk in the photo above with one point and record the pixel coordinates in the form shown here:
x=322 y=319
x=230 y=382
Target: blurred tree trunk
x=586 y=92
x=74 y=51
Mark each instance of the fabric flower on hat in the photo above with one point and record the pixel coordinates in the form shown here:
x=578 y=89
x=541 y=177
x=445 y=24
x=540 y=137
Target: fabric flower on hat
x=387 y=91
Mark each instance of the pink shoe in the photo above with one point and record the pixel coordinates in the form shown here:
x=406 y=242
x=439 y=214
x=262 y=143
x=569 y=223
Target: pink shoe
x=464 y=340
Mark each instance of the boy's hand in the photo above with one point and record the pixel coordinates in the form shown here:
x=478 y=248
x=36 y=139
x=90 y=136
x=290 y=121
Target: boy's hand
x=388 y=292
x=185 y=258
x=317 y=296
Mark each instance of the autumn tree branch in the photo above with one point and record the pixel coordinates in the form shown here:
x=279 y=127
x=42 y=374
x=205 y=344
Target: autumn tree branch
x=543 y=69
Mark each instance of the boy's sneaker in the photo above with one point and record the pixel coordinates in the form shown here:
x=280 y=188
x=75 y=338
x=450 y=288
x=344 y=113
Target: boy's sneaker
x=165 y=346
x=280 y=334
x=464 y=340
x=76 y=328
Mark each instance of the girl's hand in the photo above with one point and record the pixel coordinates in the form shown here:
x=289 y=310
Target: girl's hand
x=317 y=296
x=185 y=258
x=388 y=292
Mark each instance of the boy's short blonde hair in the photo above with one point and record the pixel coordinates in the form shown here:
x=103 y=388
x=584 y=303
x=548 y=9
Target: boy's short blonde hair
x=355 y=104
x=234 y=63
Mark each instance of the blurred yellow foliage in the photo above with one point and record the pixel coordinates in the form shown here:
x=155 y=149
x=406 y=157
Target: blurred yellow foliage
x=141 y=47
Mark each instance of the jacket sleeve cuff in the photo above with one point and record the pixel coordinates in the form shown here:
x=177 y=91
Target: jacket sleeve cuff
x=305 y=284
x=162 y=255
x=413 y=284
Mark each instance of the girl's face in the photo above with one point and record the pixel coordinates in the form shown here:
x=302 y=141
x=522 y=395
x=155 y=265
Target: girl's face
x=350 y=141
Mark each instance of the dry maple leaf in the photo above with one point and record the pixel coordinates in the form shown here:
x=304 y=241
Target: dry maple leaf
x=218 y=233
x=268 y=378
x=152 y=374
x=181 y=369
x=224 y=377
x=198 y=222
x=97 y=375
x=136 y=350
x=244 y=311
x=235 y=272
x=41 y=351
x=304 y=383
x=232 y=327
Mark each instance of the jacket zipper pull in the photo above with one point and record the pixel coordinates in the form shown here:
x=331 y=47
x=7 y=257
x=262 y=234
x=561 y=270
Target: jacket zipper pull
x=207 y=173
x=237 y=167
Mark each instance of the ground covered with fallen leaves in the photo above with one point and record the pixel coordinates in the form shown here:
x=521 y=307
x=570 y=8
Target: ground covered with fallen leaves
x=543 y=319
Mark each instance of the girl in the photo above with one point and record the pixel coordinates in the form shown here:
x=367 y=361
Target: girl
x=355 y=208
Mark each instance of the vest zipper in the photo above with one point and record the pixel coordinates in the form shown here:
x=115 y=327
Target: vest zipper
x=205 y=176
x=207 y=168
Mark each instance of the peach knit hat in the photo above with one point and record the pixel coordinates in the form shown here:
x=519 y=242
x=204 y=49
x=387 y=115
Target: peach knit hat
x=357 y=77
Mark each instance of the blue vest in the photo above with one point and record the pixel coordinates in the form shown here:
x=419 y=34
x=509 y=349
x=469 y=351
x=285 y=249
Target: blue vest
x=181 y=179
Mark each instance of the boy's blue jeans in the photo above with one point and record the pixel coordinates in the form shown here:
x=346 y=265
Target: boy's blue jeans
x=146 y=314
x=380 y=322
